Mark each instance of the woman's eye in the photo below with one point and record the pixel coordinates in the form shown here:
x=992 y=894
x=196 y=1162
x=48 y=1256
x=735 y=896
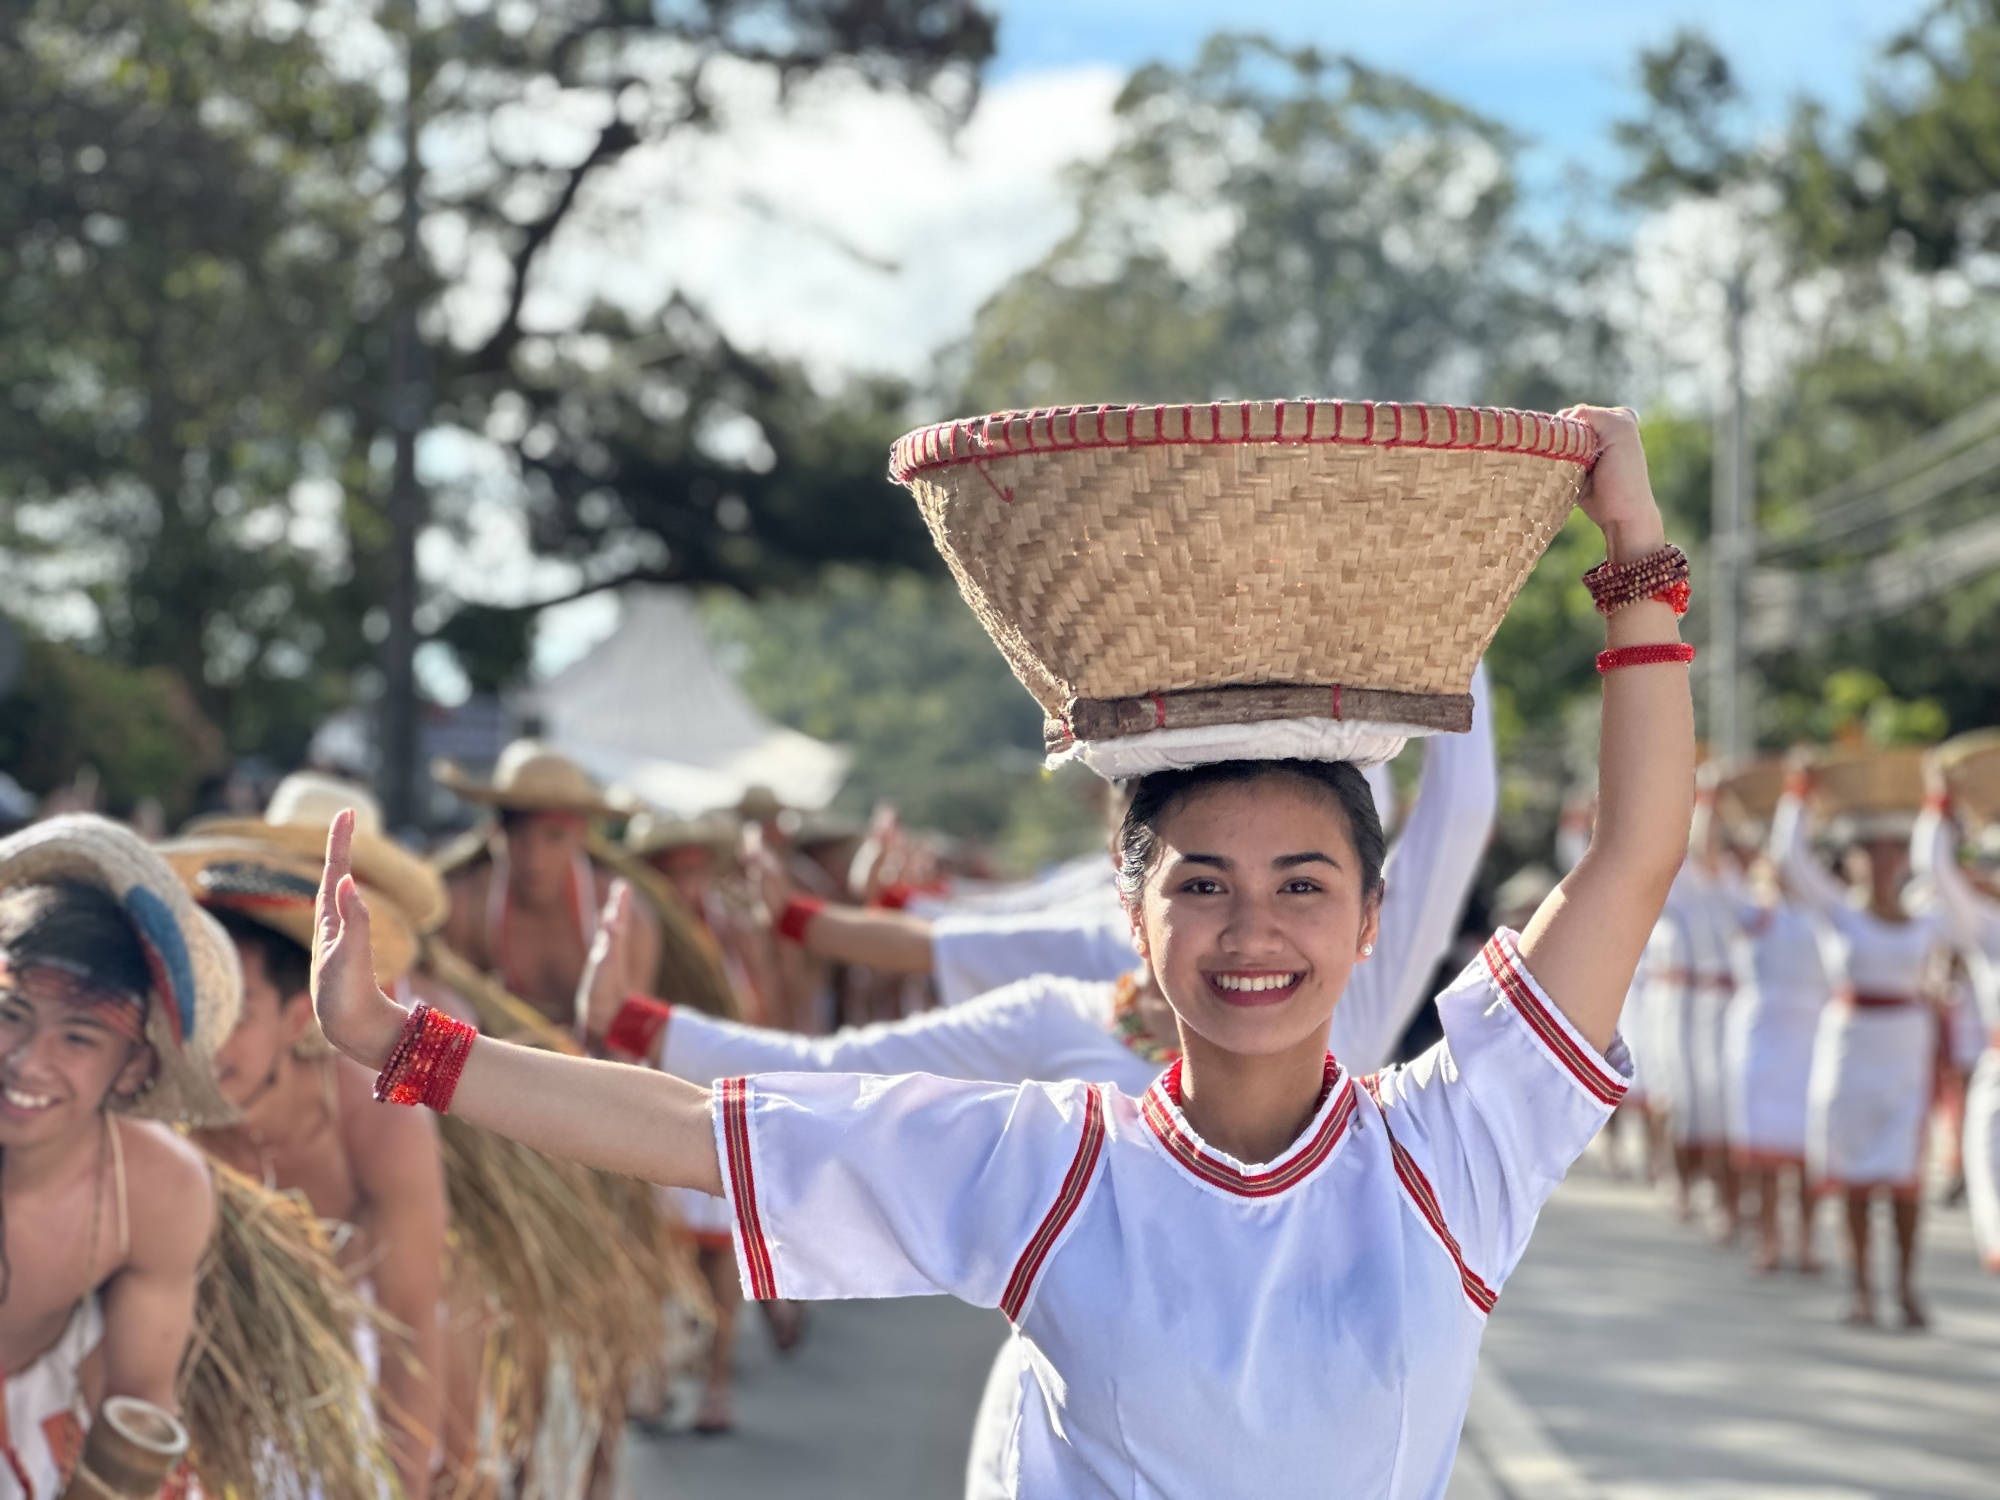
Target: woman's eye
x=1201 y=885
x=81 y=1038
x=1301 y=887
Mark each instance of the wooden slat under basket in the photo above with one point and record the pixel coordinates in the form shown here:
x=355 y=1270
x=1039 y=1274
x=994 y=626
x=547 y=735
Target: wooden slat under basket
x=1971 y=766
x=1859 y=782
x=1164 y=567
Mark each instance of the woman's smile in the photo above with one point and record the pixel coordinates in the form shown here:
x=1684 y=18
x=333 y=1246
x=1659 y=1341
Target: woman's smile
x=1254 y=986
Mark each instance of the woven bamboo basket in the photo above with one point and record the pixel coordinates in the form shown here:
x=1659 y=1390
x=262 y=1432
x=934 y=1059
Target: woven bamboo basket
x=1746 y=794
x=1971 y=766
x=1162 y=568
x=1869 y=783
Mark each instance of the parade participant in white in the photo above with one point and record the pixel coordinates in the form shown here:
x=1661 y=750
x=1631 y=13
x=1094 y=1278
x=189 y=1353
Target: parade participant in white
x=1870 y=1089
x=1142 y=1246
x=1769 y=1055
x=1058 y=1024
x=1972 y=920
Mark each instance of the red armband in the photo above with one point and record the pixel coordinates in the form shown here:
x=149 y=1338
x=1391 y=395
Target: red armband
x=424 y=1065
x=797 y=917
x=897 y=896
x=1798 y=783
x=1645 y=656
x=637 y=1028
x=1938 y=802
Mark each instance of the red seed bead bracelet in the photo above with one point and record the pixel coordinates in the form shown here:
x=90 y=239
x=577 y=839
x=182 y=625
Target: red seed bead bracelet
x=797 y=917
x=424 y=1064
x=1644 y=656
x=1661 y=575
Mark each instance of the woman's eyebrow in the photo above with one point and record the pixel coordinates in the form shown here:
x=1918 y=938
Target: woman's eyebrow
x=1310 y=857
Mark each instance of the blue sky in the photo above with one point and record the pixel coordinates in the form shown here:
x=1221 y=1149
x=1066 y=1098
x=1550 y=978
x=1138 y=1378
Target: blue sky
x=1556 y=70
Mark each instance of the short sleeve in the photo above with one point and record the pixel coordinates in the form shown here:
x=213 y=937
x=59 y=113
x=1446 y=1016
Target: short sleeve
x=851 y=1185
x=1490 y=1119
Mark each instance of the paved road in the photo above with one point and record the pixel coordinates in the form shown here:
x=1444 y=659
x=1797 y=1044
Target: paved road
x=1629 y=1360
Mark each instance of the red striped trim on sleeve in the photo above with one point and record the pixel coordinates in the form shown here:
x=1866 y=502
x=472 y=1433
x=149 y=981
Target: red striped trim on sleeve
x=1088 y=1149
x=1483 y=1297
x=1597 y=1078
x=733 y=1096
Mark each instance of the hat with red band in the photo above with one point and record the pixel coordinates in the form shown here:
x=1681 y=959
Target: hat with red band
x=197 y=988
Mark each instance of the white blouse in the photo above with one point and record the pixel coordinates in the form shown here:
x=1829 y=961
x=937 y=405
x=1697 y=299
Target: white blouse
x=1191 y=1325
x=1871 y=956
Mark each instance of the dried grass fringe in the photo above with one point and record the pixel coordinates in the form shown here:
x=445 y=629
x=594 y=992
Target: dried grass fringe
x=271 y=1384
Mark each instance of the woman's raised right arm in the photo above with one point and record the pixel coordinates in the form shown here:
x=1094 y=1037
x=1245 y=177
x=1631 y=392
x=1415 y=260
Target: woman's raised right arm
x=606 y=1115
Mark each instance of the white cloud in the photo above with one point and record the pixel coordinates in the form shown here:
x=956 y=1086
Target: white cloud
x=750 y=222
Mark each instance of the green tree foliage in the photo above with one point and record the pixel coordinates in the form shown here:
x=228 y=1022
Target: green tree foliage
x=178 y=296
x=1272 y=222
x=896 y=668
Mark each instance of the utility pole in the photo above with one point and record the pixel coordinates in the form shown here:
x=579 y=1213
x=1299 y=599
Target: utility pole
x=1732 y=545
x=409 y=405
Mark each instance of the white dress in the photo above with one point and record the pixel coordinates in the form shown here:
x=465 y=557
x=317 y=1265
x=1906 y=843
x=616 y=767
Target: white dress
x=1690 y=982
x=1772 y=1028
x=1190 y=1325
x=1869 y=1096
x=1972 y=921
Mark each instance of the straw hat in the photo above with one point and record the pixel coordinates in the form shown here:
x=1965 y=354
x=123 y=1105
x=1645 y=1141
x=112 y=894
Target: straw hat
x=296 y=821
x=651 y=832
x=276 y=887
x=197 y=986
x=1747 y=791
x=528 y=777
x=1181 y=584
x=1971 y=766
x=1870 y=794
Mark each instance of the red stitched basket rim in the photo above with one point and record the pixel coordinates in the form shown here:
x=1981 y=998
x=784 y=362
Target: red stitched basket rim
x=1379 y=424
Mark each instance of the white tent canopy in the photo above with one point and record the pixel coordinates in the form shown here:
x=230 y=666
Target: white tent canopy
x=649 y=709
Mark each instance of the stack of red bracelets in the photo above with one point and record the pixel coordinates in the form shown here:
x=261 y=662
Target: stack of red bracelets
x=424 y=1066
x=1661 y=576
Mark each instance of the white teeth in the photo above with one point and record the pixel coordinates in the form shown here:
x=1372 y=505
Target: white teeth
x=21 y=1100
x=1254 y=983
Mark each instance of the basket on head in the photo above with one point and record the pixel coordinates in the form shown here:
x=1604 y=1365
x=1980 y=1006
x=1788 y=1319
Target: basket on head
x=1873 y=794
x=1180 y=584
x=1747 y=792
x=1971 y=766
x=197 y=989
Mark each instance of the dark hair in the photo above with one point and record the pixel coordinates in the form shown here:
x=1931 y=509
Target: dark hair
x=77 y=927
x=1154 y=796
x=286 y=963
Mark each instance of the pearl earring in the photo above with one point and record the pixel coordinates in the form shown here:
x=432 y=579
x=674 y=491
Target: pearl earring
x=1366 y=949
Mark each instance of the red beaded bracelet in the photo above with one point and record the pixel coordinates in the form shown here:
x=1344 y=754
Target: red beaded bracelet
x=1661 y=575
x=797 y=917
x=1644 y=656
x=637 y=1028
x=425 y=1063
x=897 y=896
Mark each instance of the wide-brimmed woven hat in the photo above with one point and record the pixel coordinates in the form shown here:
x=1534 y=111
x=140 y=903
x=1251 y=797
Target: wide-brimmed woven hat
x=296 y=821
x=1871 y=793
x=1971 y=766
x=650 y=832
x=529 y=777
x=276 y=887
x=197 y=988
x=1181 y=584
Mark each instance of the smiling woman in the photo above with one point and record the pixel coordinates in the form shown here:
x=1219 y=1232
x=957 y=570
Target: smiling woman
x=1262 y=1275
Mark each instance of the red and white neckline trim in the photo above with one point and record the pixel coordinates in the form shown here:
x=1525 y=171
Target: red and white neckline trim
x=1502 y=957
x=1160 y=1107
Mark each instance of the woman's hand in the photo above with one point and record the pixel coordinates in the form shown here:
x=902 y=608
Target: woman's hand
x=602 y=989
x=768 y=876
x=1618 y=495
x=353 y=1012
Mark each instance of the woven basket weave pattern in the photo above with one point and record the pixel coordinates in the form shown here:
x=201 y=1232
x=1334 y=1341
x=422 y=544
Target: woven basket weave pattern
x=1279 y=543
x=1871 y=781
x=1971 y=765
